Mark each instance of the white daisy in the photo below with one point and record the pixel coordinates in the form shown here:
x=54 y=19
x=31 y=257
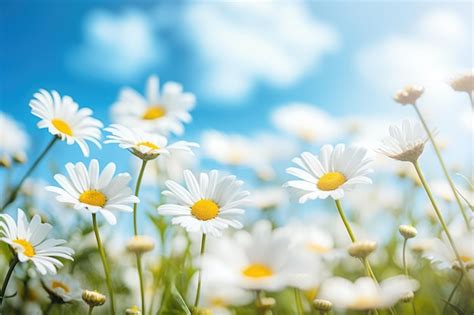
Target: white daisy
x=306 y=122
x=62 y=288
x=64 y=119
x=145 y=145
x=406 y=141
x=365 y=294
x=13 y=139
x=408 y=95
x=259 y=260
x=336 y=170
x=93 y=191
x=441 y=253
x=28 y=241
x=209 y=204
x=163 y=113
x=463 y=82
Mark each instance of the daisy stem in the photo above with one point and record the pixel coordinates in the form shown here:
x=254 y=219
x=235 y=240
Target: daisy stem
x=438 y=214
x=405 y=267
x=299 y=304
x=140 y=278
x=15 y=190
x=451 y=295
x=443 y=166
x=108 y=280
x=89 y=312
x=137 y=190
x=471 y=99
x=198 y=292
x=7 y=279
x=345 y=221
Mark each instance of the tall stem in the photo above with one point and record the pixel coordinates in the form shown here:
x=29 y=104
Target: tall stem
x=90 y=310
x=404 y=255
x=443 y=166
x=137 y=191
x=15 y=190
x=298 y=302
x=108 y=280
x=7 y=279
x=451 y=295
x=198 y=292
x=140 y=278
x=471 y=99
x=438 y=214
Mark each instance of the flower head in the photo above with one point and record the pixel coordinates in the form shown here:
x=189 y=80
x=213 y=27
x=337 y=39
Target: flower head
x=365 y=293
x=406 y=141
x=463 y=82
x=408 y=95
x=140 y=244
x=163 y=112
x=93 y=298
x=14 y=140
x=94 y=191
x=62 y=288
x=28 y=241
x=442 y=255
x=336 y=170
x=145 y=145
x=209 y=204
x=64 y=119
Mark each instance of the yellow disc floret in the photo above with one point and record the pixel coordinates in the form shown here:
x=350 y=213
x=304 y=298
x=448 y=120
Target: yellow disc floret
x=154 y=112
x=331 y=181
x=62 y=126
x=205 y=209
x=148 y=144
x=57 y=284
x=257 y=271
x=93 y=198
x=28 y=249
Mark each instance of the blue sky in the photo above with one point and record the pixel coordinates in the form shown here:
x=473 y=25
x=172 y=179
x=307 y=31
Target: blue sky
x=344 y=57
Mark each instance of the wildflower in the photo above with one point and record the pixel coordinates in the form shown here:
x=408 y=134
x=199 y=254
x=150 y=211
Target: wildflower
x=408 y=95
x=140 y=244
x=93 y=298
x=62 y=288
x=14 y=140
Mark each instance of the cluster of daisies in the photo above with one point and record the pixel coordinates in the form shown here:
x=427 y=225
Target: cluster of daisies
x=330 y=264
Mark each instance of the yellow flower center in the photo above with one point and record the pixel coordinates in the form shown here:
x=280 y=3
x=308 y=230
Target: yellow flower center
x=317 y=248
x=148 y=144
x=465 y=258
x=154 y=112
x=205 y=209
x=62 y=126
x=218 y=302
x=28 y=249
x=311 y=293
x=331 y=181
x=364 y=302
x=93 y=198
x=56 y=284
x=257 y=271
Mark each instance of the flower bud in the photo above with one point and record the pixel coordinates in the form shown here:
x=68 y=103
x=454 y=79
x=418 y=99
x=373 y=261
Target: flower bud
x=463 y=83
x=408 y=95
x=322 y=305
x=407 y=231
x=362 y=249
x=140 y=244
x=19 y=158
x=266 y=303
x=407 y=297
x=5 y=161
x=134 y=310
x=93 y=298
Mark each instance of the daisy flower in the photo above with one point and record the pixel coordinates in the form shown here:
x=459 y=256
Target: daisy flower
x=463 y=82
x=406 y=141
x=145 y=145
x=336 y=171
x=408 y=95
x=365 y=293
x=209 y=204
x=28 y=241
x=14 y=141
x=442 y=255
x=62 y=288
x=94 y=191
x=163 y=112
x=64 y=119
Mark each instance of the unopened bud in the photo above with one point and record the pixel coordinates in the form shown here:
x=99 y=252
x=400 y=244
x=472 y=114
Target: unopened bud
x=362 y=249
x=19 y=158
x=93 y=298
x=408 y=95
x=267 y=303
x=5 y=161
x=407 y=231
x=140 y=244
x=322 y=305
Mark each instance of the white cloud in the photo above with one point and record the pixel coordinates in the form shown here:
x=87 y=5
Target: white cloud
x=243 y=44
x=117 y=46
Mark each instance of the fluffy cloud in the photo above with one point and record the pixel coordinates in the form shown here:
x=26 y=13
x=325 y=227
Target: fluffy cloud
x=243 y=44
x=117 y=46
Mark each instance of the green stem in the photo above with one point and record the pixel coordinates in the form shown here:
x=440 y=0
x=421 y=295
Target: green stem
x=198 y=292
x=451 y=295
x=90 y=310
x=49 y=308
x=108 y=280
x=445 y=169
x=471 y=99
x=140 y=278
x=298 y=302
x=137 y=190
x=15 y=190
x=438 y=214
x=405 y=267
x=7 y=279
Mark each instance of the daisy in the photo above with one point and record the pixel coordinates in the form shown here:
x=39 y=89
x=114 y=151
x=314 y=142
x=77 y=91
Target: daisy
x=463 y=82
x=28 y=241
x=442 y=255
x=257 y=260
x=336 y=171
x=146 y=146
x=208 y=204
x=14 y=140
x=62 y=288
x=406 y=141
x=408 y=95
x=306 y=121
x=93 y=191
x=64 y=119
x=162 y=113
x=364 y=293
